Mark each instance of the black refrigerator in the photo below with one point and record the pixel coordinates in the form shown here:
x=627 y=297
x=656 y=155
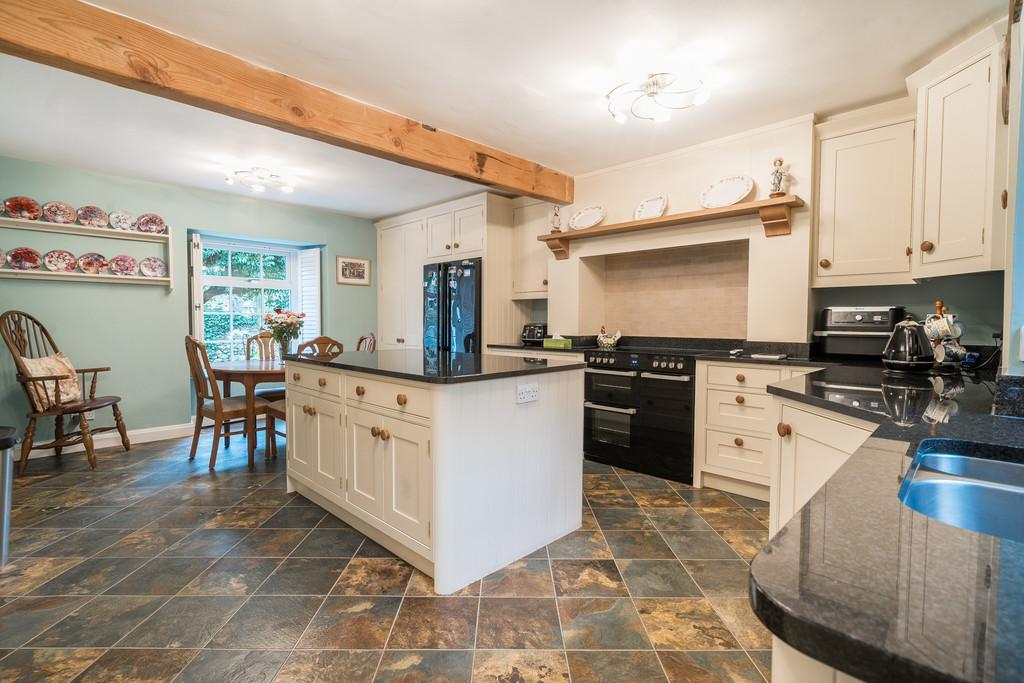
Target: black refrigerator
x=451 y=307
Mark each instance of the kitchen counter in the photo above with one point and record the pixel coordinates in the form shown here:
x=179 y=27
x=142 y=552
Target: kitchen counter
x=421 y=366
x=865 y=584
x=541 y=349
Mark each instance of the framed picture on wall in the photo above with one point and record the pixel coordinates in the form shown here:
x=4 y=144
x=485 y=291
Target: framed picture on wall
x=353 y=271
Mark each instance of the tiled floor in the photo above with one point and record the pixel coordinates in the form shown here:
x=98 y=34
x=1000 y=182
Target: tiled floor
x=154 y=569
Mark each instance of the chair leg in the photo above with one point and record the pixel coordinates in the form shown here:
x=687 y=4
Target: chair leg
x=26 y=445
x=83 y=424
x=217 y=427
x=268 y=442
x=58 y=435
x=195 y=436
x=121 y=429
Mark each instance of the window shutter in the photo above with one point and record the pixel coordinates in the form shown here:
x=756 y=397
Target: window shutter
x=309 y=292
x=195 y=274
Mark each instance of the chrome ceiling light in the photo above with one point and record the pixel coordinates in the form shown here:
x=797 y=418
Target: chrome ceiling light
x=654 y=98
x=258 y=179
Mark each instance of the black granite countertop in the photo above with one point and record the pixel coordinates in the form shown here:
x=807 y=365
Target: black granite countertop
x=860 y=581
x=420 y=365
x=540 y=349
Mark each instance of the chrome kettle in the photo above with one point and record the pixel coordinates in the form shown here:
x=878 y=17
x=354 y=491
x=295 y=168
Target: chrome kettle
x=908 y=349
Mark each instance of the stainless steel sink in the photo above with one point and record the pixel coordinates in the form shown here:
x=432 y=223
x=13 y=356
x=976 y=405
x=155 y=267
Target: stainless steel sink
x=981 y=492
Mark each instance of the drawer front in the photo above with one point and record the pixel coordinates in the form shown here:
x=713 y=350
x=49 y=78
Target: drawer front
x=739 y=410
x=747 y=454
x=311 y=379
x=362 y=391
x=743 y=377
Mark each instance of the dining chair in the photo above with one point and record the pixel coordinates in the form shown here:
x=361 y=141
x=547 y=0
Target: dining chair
x=275 y=411
x=219 y=409
x=321 y=348
x=266 y=349
x=50 y=384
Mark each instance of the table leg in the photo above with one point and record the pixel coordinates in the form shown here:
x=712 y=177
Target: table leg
x=227 y=429
x=250 y=418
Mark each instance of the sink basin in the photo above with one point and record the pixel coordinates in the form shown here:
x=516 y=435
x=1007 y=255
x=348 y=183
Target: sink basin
x=981 y=492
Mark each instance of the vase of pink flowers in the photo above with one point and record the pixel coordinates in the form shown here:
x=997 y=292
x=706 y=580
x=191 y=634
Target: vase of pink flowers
x=285 y=326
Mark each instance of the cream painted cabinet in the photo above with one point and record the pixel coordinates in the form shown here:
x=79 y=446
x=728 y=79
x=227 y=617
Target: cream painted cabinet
x=406 y=478
x=456 y=233
x=316 y=433
x=300 y=456
x=402 y=251
x=530 y=279
x=439 y=235
x=865 y=205
x=365 y=462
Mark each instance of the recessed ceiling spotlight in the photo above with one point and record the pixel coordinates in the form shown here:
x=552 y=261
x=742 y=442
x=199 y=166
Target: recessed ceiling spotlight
x=654 y=98
x=258 y=179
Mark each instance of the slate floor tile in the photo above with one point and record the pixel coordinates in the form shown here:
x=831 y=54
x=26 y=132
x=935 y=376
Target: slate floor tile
x=351 y=623
x=727 y=519
x=371 y=548
x=591 y=467
x=613 y=498
x=686 y=667
x=527 y=666
x=239 y=518
x=699 y=545
x=522 y=579
x=29 y=541
x=271 y=622
x=602 y=666
x=84 y=543
x=183 y=622
x=100 y=622
x=294 y=518
x=435 y=624
x=677 y=519
x=622 y=518
x=638 y=545
x=23 y=574
x=304 y=576
x=746 y=543
x=233 y=666
x=206 y=543
x=720 y=578
x=367 y=576
x=90 y=577
x=268 y=543
x=580 y=545
x=25 y=618
x=710 y=498
x=161 y=576
x=643 y=481
x=414 y=666
x=684 y=624
x=601 y=624
x=657 y=579
x=602 y=482
x=133 y=517
x=266 y=498
x=52 y=664
x=78 y=517
x=145 y=543
x=658 y=498
x=136 y=666
x=518 y=623
x=587 y=578
x=422 y=586
x=330 y=543
x=327 y=666
x=763 y=661
x=232 y=576
x=740 y=618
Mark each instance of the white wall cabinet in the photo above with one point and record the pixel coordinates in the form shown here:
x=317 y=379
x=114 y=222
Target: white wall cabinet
x=439 y=235
x=456 y=233
x=401 y=251
x=530 y=279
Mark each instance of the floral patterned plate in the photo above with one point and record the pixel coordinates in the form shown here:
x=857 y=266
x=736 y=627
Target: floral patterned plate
x=150 y=222
x=24 y=258
x=124 y=265
x=151 y=266
x=122 y=220
x=93 y=216
x=23 y=207
x=59 y=212
x=92 y=263
x=60 y=261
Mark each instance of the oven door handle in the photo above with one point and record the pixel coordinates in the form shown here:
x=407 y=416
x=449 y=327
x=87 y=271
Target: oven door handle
x=670 y=378
x=609 y=409
x=618 y=373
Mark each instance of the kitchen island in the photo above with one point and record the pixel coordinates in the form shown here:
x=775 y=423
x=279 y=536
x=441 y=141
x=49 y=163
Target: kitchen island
x=459 y=464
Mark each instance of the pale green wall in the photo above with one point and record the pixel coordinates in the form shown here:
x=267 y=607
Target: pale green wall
x=139 y=330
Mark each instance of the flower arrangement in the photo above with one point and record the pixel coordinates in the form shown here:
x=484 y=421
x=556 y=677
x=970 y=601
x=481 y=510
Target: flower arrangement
x=284 y=326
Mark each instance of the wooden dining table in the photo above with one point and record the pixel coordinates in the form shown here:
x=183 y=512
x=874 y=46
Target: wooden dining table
x=248 y=373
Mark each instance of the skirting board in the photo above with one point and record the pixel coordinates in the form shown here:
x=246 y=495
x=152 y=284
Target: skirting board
x=136 y=436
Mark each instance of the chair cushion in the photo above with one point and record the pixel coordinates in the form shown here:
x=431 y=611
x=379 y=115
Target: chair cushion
x=271 y=392
x=42 y=392
x=235 y=404
x=277 y=409
x=82 y=406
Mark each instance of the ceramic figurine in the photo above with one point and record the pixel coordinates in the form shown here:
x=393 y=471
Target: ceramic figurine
x=780 y=172
x=608 y=341
x=556 y=219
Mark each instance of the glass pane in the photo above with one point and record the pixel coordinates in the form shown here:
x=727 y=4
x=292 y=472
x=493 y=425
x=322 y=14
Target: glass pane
x=215 y=261
x=245 y=326
x=218 y=351
x=275 y=267
x=215 y=299
x=216 y=327
x=245 y=300
x=245 y=264
x=276 y=298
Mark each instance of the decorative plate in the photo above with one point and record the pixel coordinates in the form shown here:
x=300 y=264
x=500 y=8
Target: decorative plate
x=726 y=191
x=23 y=207
x=651 y=208
x=93 y=216
x=151 y=266
x=60 y=261
x=24 y=258
x=122 y=220
x=59 y=212
x=124 y=265
x=150 y=222
x=92 y=263
x=587 y=218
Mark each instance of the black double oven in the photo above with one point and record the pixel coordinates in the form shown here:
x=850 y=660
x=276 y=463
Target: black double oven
x=638 y=411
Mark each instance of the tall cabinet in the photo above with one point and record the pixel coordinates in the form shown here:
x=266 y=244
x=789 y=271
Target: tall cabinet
x=401 y=251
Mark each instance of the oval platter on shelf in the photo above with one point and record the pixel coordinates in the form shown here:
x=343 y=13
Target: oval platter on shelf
x=60 y=261
x=587 y=218
x=92 y=216
x=150 y=222
x=23 y=207
x=124 y=265
x=59 y=212
x=651 y=208
x=24 y=258
x=727 y=191
x=92 y=263
x=151 y=266
x=121 y=220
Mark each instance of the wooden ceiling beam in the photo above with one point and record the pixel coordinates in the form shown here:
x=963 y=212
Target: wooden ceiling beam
x=74 y=36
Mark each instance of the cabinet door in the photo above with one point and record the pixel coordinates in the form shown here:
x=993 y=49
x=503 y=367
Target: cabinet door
x=364 y=462
x=865 y=202
x=407 y=479
x=959 y=165
x=390 y=289
x=531 y=261
x=439 y=235
x=412 y=298
x=299 y=449
x=816 y=447
x=469 y=231
x=327 y=433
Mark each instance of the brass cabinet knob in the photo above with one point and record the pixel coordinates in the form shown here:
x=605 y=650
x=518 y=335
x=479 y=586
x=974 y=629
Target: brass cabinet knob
x=910 y=250
x=740 y=399
x=825 y=263
x=545 y=283
x=400 y=340
x=448 y=246
x=322 y=381
x=402 y=399
x=738 y=441
x=927 y=246
x=374 y=432
x=312 y=410
x=385 y=435
x=740 y=377
x=360 y=390
x=295 y=377
x=456 y=245
x=784 y=429
x=1004 y=199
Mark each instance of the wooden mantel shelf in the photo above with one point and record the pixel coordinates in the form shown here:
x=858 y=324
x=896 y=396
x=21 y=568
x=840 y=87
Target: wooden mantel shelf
x=774 y=215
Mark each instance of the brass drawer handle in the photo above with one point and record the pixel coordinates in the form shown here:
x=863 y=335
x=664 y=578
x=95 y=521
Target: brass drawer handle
x=322 y=382
x=825 y=263
x=738 y=441
x=360 y=390
x=295 y=377
x=740 y=400
x=740 y=377
x=374 y=432
x=927 y=246
x=312 y=410
x=402 y=399
x=784 y=429
x=385 y=435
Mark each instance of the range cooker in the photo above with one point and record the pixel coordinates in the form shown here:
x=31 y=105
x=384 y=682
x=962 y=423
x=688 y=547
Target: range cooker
x=638 y=410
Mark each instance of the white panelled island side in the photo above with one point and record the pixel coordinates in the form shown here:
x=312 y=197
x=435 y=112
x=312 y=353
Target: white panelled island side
x=459 y=464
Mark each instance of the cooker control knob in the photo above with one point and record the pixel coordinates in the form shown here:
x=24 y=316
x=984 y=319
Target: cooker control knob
x=672 y=366
x=858 y=317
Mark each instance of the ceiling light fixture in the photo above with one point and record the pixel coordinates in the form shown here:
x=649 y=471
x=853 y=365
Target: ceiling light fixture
x=653 y=99
x=258 y=179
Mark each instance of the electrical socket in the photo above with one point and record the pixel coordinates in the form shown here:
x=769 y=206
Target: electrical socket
x=526 y=393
